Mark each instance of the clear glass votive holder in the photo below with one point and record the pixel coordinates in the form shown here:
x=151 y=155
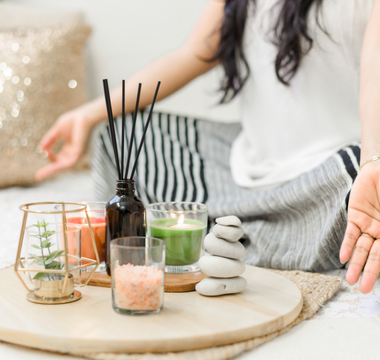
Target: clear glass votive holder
x=183 y=226
x=137 y=268
x=97 y=213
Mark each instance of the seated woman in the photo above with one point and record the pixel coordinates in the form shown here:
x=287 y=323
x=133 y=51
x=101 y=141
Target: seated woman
x=288 y=170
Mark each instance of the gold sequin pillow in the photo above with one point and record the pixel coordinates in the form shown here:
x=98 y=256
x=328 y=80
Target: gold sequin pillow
x=42 y=75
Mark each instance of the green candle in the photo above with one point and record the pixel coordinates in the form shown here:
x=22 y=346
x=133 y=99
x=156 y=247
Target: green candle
x=183 y=239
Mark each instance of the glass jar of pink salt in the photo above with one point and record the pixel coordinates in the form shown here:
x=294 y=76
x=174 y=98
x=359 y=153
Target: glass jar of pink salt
x=138 y=265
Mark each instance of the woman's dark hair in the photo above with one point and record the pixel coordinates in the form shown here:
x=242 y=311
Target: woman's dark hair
x=289 y=31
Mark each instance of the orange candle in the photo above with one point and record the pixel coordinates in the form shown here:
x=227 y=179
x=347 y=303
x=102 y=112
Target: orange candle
x=98 y=224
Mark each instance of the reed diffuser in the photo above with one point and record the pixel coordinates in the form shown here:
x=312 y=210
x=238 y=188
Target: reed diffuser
x=125 y=212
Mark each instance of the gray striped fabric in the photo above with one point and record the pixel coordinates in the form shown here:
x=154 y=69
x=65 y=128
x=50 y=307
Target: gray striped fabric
x=299 y=225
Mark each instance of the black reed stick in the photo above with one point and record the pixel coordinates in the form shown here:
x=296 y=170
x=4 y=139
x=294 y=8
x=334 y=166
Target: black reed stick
x=145 y=129
x=122 y=126
x=133 y=130
x=111 y=125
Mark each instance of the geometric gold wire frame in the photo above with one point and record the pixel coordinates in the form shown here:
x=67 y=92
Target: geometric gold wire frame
x=28 y=208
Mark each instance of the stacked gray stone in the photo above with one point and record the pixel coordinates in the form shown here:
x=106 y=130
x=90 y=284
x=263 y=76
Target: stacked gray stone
x=225 y=263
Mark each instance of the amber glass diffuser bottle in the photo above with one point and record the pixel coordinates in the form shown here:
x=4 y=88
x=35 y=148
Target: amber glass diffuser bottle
x=125 y=212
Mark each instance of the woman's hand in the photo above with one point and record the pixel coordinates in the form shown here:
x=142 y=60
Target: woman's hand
x=74 y=128
x=363 y=217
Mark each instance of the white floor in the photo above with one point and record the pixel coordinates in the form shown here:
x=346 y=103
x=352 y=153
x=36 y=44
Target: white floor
x=347 y=327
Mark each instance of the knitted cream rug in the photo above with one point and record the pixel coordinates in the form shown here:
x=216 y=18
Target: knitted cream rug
x=315 y=288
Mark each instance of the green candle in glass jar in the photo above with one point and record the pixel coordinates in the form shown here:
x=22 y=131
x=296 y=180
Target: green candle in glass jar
x=183 y=226
x=183 y=239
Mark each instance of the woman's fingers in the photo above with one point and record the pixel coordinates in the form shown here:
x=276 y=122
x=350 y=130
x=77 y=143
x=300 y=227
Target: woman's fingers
x=362 y=249
x=53 y=168
x=50 y=138
x=349 y=241
x=49 y=170
x=371 y=269
x=51 y=156
x=65 y=159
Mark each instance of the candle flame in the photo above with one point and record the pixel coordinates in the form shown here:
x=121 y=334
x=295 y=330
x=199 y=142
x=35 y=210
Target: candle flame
x=181 y=220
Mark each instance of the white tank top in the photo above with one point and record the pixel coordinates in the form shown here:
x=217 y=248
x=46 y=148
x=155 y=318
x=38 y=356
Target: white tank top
x=288 y=131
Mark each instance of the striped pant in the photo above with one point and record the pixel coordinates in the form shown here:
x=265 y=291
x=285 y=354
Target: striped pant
x=298 y=225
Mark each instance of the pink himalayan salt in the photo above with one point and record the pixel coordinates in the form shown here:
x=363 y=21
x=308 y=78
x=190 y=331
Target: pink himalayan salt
x=138 y=287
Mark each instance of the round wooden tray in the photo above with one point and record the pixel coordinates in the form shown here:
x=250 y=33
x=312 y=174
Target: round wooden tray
x=188 y=321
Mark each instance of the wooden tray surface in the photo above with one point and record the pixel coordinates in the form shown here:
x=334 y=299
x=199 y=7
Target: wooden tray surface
x=173 y=282
x=188 y=321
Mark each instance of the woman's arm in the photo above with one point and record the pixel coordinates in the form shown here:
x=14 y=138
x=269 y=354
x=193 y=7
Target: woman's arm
x=364 y=204
x=174 y=70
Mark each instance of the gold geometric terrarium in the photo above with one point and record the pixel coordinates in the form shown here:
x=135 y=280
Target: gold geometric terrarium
x=49 y=261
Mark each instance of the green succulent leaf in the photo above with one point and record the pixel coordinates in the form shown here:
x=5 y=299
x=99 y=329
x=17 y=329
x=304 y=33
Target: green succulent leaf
x=61 y=252
x=42 y=223
x=48 y=233
x=39 y=276
x=45 y=244
x=36 y=246
x=55 y=254
x=53 y=265
x=35 y=256
x=36 y=236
